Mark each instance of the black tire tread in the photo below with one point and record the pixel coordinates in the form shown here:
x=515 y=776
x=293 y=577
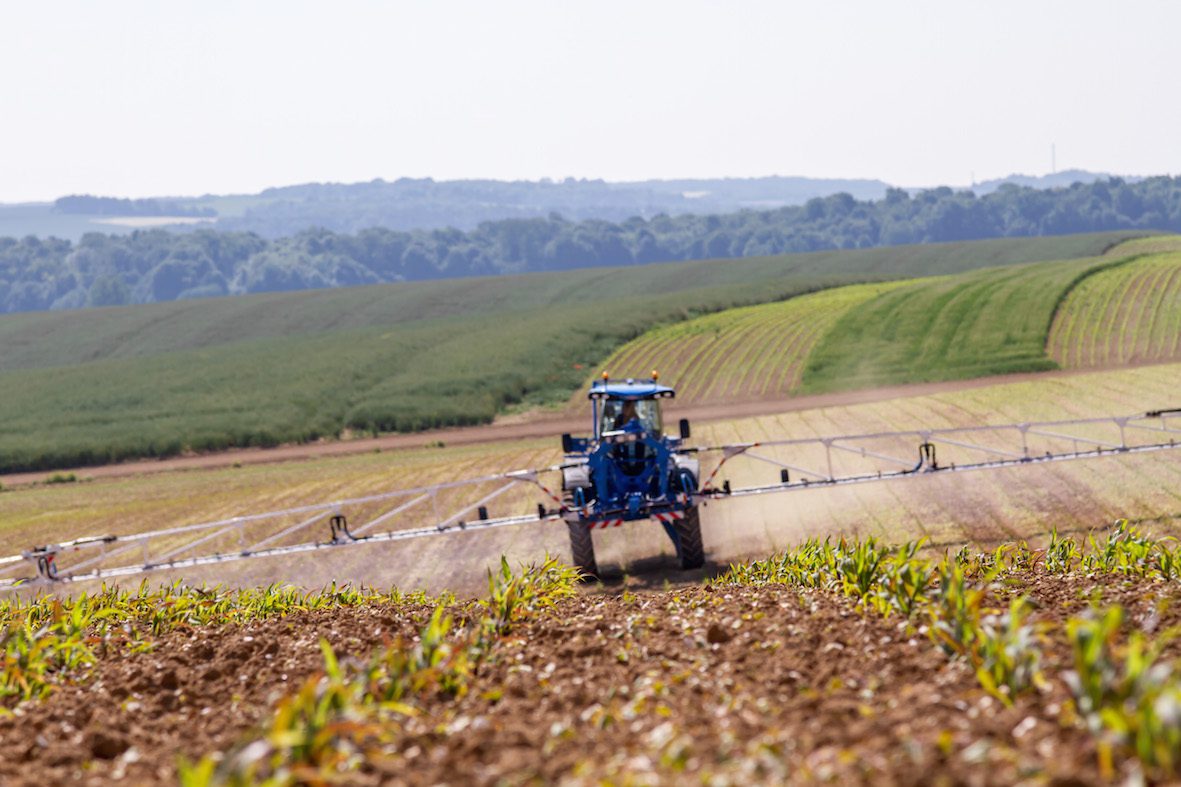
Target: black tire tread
x=582 y=548
x=692 y=550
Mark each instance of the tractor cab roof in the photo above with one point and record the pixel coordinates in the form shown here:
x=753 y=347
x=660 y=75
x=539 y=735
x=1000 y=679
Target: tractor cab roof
x=630 y=390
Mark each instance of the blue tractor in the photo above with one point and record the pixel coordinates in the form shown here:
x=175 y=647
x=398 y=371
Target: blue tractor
x=630 y=470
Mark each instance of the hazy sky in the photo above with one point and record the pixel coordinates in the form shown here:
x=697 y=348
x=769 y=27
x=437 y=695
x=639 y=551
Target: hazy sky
x=154 y=98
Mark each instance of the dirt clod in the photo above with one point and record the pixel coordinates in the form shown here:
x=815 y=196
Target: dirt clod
x=105 y=744
x=717 y=634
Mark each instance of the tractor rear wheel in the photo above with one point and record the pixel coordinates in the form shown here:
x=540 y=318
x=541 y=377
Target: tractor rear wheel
x=690 y=549
x=582 y=548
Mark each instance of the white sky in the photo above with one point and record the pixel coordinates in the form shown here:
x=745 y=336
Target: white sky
x=156 y=98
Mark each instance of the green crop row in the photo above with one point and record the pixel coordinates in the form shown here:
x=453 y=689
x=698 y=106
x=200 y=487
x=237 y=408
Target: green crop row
x=1111 y=309
x=348 y=714
x=48 y=639
x=745 y=353
x=973 y=325
x=1122 y=690
x=1127 y=313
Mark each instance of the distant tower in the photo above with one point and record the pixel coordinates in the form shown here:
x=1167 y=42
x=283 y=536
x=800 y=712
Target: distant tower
x=1053 y=159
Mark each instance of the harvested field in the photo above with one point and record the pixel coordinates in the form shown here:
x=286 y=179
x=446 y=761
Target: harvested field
x=1125 y=315
x=847 y=663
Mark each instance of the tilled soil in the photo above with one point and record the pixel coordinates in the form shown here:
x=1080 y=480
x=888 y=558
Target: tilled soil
x=744 y=684
x=198 y=691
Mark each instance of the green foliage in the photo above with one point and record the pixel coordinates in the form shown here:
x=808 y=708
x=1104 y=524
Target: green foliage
x=510 y=595
x=61 y=478
x=954 y=610
x=746 y=352
x=905 y=580
x=339 y=718
x=1127 y=313
x=1124 y=693
x=48 y=639
x=892 y=580
x=1062 y=554
x=1132 y=552
x=1001 y=648
x=977 y=324
x=1005 y=652
x=327 y=725
x=158 y=266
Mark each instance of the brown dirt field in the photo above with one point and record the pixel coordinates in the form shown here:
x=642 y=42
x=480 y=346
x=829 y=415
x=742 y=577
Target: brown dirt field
x=746 y=685
x=530 y=425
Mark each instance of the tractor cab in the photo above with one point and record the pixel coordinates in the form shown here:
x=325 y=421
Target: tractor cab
x=629 y=469
x=616 y=405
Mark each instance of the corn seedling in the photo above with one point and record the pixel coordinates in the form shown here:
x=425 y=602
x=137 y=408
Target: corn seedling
x=47 y=639
x=1124 y=693
x=1062 y=554
x=350 y=711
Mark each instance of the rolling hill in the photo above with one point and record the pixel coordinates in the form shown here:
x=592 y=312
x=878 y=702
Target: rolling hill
x=1127 y=314
x=1119 y=308
x=745 y=353
x=101 y=385
x=973 y=325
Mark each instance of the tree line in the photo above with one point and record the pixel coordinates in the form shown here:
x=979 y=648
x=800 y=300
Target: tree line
x=424 y=203
x=148 y=266
x=86 y=205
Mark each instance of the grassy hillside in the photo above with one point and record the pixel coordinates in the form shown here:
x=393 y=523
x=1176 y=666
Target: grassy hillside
x=1127 y=314
x=100 y=385
x=742 y=353
x=37 y=339
x=976 y=324
x=1120 y=308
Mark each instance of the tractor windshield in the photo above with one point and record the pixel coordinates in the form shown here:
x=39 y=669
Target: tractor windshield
x=617 y=413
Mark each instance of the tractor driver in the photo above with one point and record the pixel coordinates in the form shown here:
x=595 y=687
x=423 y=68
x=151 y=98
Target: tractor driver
x=627 y=414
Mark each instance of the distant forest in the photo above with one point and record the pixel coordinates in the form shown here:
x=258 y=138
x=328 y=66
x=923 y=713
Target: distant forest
x=86 y=205
x=148 y=266
x=424 y=203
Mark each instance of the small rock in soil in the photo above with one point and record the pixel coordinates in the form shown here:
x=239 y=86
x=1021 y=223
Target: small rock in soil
x=716 y=635
x=105 y=744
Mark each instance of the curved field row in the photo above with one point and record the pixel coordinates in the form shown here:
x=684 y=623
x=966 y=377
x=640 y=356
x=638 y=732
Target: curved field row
x=972 y=325
x=745 y=353
x=1154 y=244
x=1127 y=314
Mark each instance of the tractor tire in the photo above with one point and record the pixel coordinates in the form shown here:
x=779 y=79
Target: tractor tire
x=690 y=549
x=582 y=549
